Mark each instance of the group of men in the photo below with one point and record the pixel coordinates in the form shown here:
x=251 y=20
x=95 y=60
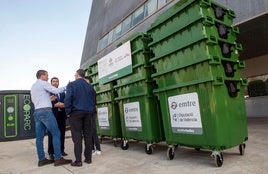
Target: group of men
x=53 y=105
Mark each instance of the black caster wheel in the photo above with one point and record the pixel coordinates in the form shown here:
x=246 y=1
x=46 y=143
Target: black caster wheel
x=124 y=145
x=148 y=149
x=218 y=159
x=242 y=148
x=170 y=153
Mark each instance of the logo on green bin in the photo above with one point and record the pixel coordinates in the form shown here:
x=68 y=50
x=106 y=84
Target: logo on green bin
x=132 y=116
x=185 y=114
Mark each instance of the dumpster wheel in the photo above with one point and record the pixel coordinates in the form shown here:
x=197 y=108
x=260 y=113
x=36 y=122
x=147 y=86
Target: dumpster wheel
x=101 y=139
x=124 y=145
x=218 y=158
x=242 y=148
x=148 y=149
x=114 y=142
x=197 y=149
x=170 y=153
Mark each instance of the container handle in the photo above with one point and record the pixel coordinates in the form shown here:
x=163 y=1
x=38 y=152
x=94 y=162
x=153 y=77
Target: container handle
x=212 y=40
x=241 y=64
x=215 y=60
x=205 y=3
x=209 y=21
x=238 y=47
x=231 y=13
x=235 y=30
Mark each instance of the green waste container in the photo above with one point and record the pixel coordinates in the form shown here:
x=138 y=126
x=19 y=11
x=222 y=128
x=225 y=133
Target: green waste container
x=192 y=71
x=187 y=38
x=204 y=115
x=198 y=77
x=140 y=120
x=186 y=12
x=108 y=119
x=138 y=108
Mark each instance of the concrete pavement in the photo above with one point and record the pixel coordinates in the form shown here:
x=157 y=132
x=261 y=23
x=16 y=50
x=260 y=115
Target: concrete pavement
x=19 y=157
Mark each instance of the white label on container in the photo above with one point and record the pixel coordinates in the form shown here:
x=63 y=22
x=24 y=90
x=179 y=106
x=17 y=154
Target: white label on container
x=132 y=116
x=103 y=118
x=185 y=114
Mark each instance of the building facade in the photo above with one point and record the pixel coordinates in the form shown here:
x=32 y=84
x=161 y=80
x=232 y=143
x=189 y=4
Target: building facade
x=113 y=21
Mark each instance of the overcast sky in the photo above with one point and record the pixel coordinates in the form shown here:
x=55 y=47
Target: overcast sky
x=41 y=34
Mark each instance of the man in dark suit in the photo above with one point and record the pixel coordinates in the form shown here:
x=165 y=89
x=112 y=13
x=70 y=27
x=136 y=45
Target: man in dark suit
x=80 y=107
x=59 y=112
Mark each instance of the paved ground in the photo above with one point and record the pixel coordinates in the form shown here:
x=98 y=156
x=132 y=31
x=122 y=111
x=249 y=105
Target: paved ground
x=20 y=157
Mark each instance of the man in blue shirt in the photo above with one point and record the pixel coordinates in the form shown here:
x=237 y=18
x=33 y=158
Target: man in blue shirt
x=45 y=120
x=79 y=107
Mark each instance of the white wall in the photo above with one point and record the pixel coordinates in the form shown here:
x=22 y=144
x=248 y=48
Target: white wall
x=257 y=106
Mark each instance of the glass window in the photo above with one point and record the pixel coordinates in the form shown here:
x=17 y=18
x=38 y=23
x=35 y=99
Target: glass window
x=117 y=31
x=110 y=37
x=138 y=15
x=146 y=10
x=126 y=24
x=150 y=7
x=161 y=3
x=103 y=42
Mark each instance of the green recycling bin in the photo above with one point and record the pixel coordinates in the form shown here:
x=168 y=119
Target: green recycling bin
x=108 y=121
x=186 y=12
x=208 y=115
x=138 y=108
x=140 y=120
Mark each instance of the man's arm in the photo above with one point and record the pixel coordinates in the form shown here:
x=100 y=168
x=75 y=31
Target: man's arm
x=68 y=99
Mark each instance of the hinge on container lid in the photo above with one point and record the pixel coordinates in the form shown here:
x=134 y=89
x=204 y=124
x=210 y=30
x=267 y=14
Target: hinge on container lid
x=219 y=81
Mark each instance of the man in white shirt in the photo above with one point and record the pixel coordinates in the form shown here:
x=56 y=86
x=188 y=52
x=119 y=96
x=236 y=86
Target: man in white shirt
x=45 y=120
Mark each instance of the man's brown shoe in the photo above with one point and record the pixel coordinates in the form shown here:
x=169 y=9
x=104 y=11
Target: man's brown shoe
x=62 y=161
x=44 y=162
x=76 y=164
x=64 y=154
x=87 y=161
